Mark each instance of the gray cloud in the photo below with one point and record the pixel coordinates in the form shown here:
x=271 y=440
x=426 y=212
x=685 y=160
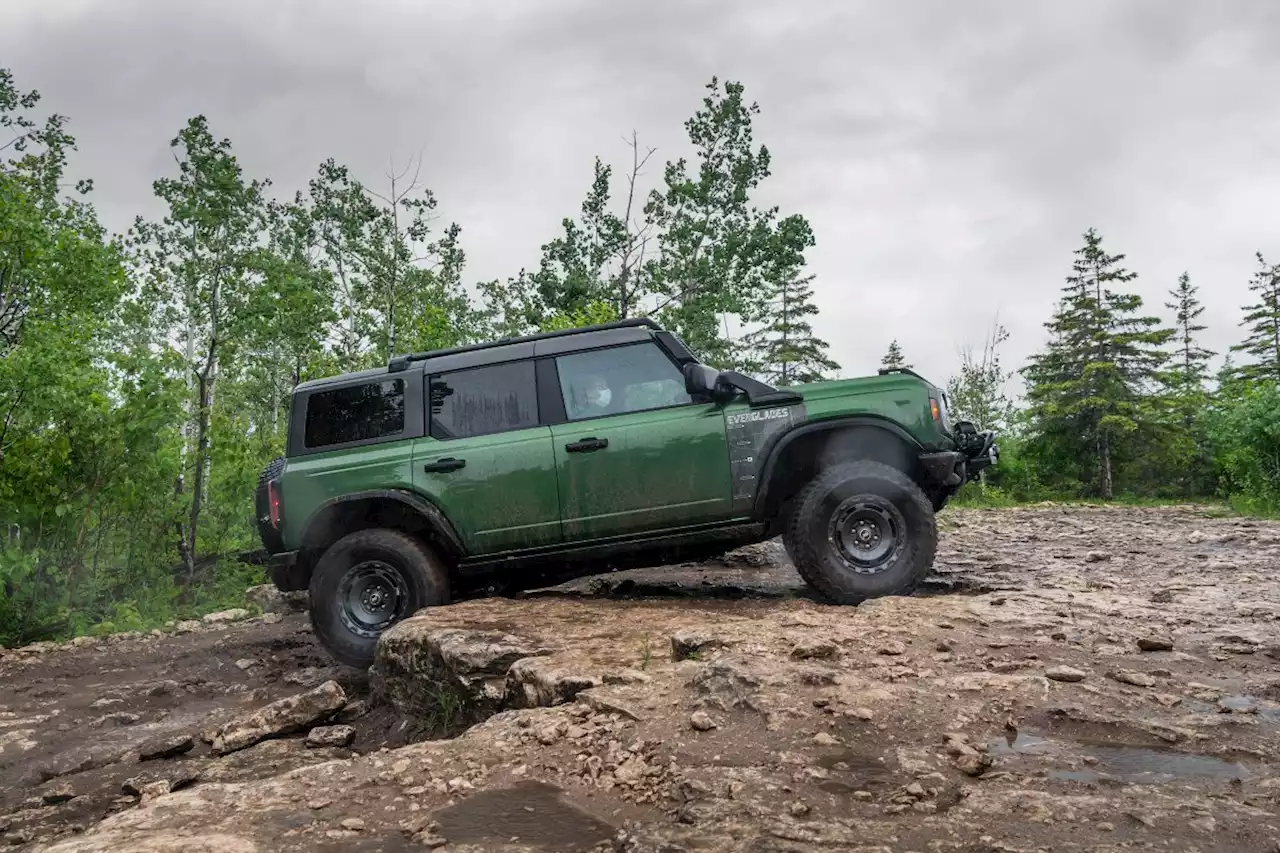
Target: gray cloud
x=948 y=155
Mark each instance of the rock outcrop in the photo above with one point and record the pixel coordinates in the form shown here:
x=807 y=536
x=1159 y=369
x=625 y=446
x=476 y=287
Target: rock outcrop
x=282 y=717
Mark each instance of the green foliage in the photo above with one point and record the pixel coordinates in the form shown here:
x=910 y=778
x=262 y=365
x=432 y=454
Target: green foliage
x=1189 y=453
x=1263 y=317
x=1246 y=434
x=978 y=393
x=1089 y=390
x=713 y=245
x=785 y=350
x=893 y=358
x=599 y=259
x=589 y=314
x=145 y=381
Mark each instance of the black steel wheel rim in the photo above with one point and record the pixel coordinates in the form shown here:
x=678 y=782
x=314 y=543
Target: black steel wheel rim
x=867 y=533
x=373 y=594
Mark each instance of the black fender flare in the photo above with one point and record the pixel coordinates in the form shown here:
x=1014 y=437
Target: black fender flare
x=435 y=518
x=818 y=426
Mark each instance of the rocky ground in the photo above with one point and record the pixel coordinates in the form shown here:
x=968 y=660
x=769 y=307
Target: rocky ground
x=1071 y=679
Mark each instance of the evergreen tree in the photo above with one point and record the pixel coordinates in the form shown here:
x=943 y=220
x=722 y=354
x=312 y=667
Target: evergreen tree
x=1091 y=386
x=1191 y=361
x=785 y=350
x=893 y=359
x=1263 y=316
x=1191 y=460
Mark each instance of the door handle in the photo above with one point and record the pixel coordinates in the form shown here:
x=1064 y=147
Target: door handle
x=443 y=465
x=586 y=445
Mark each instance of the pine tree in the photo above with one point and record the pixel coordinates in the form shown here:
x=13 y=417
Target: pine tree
x=786 y=351
x=1263 y=342
x=1192 y=455
x=1091 y=385
x=893 y=359
x=1191 y=368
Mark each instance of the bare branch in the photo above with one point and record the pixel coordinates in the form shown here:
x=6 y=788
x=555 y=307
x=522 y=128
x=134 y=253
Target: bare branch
x=17 y=139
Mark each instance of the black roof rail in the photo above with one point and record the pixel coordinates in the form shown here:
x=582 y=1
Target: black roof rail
x=885 y=371
x=398 y=363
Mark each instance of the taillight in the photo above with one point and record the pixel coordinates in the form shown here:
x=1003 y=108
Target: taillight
x=273 y=501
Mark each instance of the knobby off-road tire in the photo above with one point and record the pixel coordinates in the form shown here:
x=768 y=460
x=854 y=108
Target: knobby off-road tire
x=365 y=583
x=862 y=530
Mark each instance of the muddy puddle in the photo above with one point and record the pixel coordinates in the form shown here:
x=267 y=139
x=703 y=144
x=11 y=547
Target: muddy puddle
x=1086 y=762
x=1267 y=712
x=530 y=813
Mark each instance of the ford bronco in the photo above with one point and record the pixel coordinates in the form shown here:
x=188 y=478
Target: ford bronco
x=522 y=462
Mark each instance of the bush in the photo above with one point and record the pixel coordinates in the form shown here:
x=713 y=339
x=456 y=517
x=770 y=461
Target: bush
x=1245 y=429
x=33 y=599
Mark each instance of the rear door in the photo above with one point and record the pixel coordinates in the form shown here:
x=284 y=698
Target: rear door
x=346 y=438
x=646 y=459
x=486 y=460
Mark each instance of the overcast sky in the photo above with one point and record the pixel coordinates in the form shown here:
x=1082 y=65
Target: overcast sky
x=949 y=155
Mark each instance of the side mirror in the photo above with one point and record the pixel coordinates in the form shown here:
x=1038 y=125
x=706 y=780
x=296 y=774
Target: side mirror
x=703 y=381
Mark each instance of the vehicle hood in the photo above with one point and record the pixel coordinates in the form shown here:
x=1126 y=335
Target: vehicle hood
x=858 y=386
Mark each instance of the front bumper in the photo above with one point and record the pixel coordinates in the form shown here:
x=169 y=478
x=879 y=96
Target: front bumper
x=975 y=451
x=978 y=446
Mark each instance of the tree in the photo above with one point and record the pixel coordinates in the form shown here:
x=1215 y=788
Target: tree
x=395 y=243
x=712 y=243
x=1192 y=456
x=200 y=260
x=893 y=359
x=87 y=404
x=398 y=290
x=785 y=350
x=1263 y=316
x=978 y=392
x=600 y=258
x=1191 y=361
x=1246 y=435
x=1089 y=387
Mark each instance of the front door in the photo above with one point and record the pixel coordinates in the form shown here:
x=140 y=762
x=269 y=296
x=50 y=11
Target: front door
x=486 y=461
x=636 y=454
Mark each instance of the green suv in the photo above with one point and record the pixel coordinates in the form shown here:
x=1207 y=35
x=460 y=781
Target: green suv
x=522 y=462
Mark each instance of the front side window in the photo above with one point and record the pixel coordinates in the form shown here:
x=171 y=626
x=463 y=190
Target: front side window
x=483 y=400
x=355 y=413
x=623 y=379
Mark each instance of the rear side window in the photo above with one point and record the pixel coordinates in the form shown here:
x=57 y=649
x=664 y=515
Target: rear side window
x=483 y=400
x=355 y=413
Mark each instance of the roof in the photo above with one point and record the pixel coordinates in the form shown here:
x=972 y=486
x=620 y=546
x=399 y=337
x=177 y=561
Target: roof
x=400 y=362
x=503 y=349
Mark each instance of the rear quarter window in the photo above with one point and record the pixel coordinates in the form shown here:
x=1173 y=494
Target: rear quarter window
x=355 y=413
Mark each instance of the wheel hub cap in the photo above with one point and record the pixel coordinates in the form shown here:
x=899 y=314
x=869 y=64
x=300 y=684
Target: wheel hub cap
x=866 y=533
x=373 y=595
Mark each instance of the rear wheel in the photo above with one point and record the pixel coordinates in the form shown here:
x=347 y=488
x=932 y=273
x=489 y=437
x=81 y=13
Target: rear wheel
x=862 y=530
x=366 y=582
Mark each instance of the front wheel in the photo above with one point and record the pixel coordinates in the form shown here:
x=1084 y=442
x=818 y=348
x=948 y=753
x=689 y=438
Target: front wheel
x=366 y=582
x=862 y=530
